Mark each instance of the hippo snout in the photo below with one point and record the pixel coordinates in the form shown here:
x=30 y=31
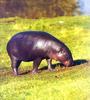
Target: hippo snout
x=69 y=63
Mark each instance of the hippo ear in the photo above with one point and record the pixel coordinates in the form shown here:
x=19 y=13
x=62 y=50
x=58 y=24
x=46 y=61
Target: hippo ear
x=61 y=49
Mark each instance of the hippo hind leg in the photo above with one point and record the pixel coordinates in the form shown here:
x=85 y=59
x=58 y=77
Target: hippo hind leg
x=36 y=64
x=15 y=64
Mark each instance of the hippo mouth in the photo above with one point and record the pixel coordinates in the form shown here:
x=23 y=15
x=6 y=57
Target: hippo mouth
x=68 y=63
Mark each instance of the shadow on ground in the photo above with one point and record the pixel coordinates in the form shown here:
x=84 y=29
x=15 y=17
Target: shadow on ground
x=76 y=62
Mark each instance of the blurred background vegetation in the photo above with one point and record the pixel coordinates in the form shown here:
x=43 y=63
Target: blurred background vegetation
x=37 y=8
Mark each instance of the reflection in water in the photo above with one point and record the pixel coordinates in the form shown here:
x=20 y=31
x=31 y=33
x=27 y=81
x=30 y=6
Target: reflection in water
x=84 y=6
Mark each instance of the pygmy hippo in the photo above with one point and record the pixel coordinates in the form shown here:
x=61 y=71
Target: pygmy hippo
x=36 y=46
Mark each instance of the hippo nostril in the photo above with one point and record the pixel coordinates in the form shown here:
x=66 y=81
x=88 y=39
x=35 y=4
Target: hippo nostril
x=67 y=63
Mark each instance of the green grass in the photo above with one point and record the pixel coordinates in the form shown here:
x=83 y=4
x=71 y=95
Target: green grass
x=63 y=84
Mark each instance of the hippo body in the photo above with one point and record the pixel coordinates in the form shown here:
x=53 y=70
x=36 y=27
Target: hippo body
x=36 y=46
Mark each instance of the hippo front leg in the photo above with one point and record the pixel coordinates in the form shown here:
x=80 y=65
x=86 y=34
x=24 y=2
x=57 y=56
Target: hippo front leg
x=36 y=64
x=49 y=61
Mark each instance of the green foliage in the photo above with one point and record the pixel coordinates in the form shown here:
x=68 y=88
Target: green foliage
x=63 y=84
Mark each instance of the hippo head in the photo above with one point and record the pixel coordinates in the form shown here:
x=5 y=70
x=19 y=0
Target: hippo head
x=62 y=54
x=65 y=57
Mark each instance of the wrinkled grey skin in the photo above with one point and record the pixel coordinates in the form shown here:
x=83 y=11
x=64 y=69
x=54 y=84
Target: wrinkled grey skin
x=36 y=46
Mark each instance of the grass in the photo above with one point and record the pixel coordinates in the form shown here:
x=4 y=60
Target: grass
x=63 y=84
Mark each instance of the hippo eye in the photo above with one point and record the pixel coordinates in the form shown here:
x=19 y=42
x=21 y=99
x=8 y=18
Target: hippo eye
x=62 y=51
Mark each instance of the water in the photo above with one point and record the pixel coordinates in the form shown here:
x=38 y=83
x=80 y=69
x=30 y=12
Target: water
x=84 y=7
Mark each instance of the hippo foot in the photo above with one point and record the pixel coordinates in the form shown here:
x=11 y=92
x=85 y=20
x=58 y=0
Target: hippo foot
x=50 y=69
x=34 y=71
x=15 y=72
